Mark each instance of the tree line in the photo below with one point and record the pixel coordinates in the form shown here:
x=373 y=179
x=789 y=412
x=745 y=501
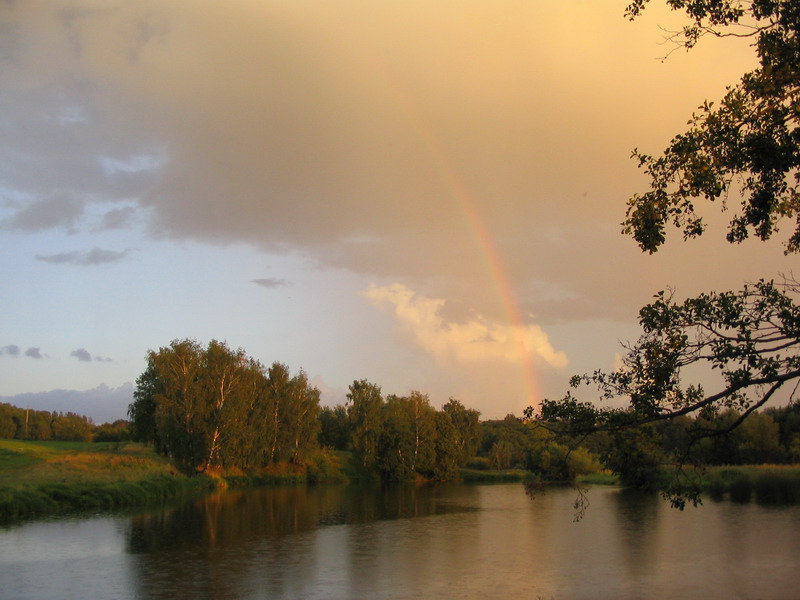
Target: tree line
x=41 y=425
x=401 y=437
x=215 y=408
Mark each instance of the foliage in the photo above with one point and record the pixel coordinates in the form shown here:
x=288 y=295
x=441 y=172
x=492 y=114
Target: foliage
x=467 y=429
x=752 y=138
x=42 y=425
x=514 y=443
x=636 y=457
x=118 y=431
x=749 y=338
x=366 y=420
x=71 y=427
x=334 y=430
x=211 y=408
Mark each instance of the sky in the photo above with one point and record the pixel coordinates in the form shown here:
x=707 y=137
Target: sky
x=427 y=195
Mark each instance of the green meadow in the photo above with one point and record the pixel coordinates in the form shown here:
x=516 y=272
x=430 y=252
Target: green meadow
x=49 y=477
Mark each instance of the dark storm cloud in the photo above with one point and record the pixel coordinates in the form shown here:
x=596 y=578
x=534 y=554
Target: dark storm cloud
x=271 y=282
x=95 y=256
x=380 y=140
x=81 y=354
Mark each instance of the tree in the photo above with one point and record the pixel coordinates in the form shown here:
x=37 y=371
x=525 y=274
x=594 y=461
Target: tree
x=750 y=337
x=214 y=407
x=71 y=427
x=466 y=429
x=334 y=427
x=395 y=450
x=142 y=411
x=180 y=409
x=301 y=417
x=446 y=448
x=275 y=399
x=8 y=427
x=751 y=139
x=118 y=431
x=407 y=443
x=364 y=410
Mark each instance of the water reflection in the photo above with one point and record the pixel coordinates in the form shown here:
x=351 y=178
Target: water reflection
x=408 y=542
x=232 y=544
x=234 y=517
x=637 y=523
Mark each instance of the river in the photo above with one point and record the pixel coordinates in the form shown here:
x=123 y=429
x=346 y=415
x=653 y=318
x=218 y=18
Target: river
x=445 y=541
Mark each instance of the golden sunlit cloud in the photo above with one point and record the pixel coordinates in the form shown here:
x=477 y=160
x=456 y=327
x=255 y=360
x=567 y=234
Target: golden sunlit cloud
x=472 y=341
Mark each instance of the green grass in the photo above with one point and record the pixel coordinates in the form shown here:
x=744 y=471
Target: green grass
x=599 y=478
x=45 y=477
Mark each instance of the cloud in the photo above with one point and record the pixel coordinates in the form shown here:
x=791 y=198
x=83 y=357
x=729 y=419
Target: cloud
x=81 y=354
x=382 y=141
x=472 y=341
x=33 y=352
x=11 y=350
x=60 y=210
x=271 y=282
x=117 y=218
x=96 y=256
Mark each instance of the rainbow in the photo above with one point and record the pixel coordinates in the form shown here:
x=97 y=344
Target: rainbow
x=464 y=200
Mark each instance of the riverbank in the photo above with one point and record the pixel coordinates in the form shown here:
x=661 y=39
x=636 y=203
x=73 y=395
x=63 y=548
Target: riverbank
x=766 y=484
x=38 y=478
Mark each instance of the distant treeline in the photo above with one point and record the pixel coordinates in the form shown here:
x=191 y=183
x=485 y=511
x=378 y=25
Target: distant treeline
x=41 y=425
x=714 y=438
x=213 y=408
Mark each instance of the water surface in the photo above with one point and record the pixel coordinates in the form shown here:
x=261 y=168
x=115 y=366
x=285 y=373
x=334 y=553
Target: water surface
x=449 y=541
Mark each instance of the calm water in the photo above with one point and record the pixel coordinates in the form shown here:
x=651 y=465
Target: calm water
x=459 y=541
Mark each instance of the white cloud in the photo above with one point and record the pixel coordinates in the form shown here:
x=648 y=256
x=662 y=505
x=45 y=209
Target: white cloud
x=475 y=340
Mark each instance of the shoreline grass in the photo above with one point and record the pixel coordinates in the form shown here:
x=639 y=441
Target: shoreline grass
x=39 y=478
x=766 y=484
x=599 y=478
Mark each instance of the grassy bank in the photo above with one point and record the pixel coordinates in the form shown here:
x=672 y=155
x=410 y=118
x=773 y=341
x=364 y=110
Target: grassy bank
x=599 y=478
x=48 y=477
x=766 y=484
x=321 y=467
